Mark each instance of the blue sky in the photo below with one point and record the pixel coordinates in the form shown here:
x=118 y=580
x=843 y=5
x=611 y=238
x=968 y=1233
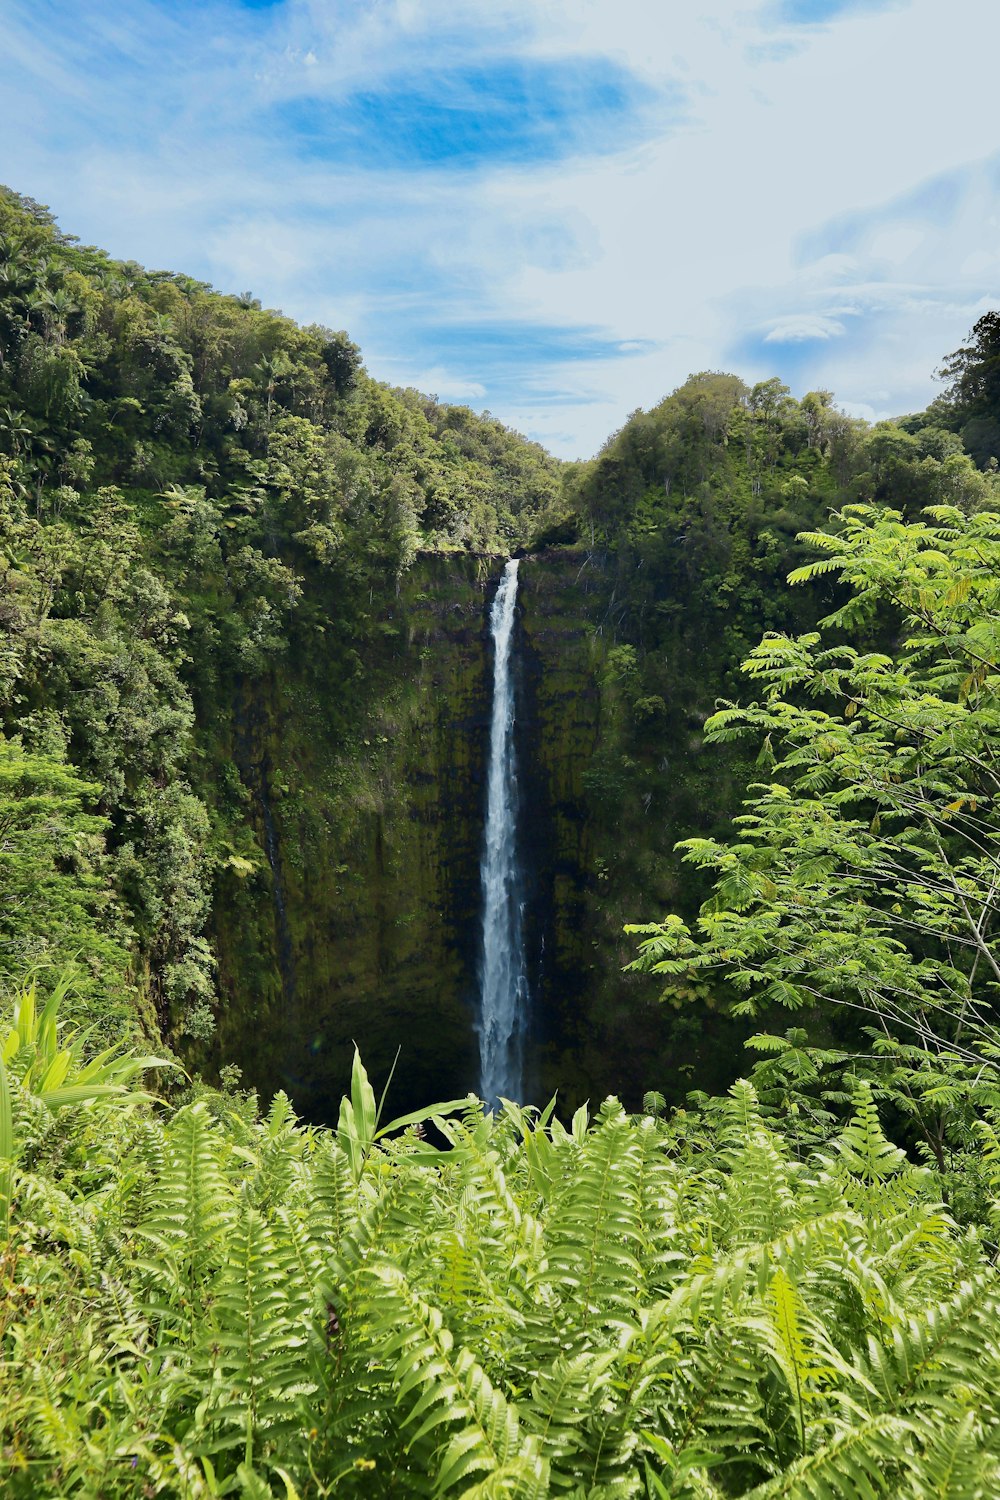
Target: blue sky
x=554 y=209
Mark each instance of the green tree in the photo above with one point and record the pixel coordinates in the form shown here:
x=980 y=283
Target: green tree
x=972 y=399
x=864 y=871
x=57 y=896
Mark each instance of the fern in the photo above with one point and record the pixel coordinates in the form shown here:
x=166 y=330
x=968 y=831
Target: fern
x=942 y=1346
x=333 y=1201
x=799 y=1347
x=593 y=1235
x=863 y=1147
x=196 y=1208
x=252 y=1338
x=713 y=1404
x=860 y=1463
x=662 y=1253
x=573 y=1414
x=444 y=1387
x=611 y=1308
x=958 y=1460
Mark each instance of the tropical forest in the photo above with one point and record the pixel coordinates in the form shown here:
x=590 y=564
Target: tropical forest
x=499 y=956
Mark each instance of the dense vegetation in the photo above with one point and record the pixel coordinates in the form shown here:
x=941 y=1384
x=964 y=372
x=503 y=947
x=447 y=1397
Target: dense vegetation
x=212 y=1303
x=182 y=476
x=789 y=1290
x=212 y=663
x=700 y=503
x=687 y=525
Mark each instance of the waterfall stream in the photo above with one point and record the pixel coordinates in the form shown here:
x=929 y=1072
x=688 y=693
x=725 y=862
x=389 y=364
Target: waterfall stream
x=503 y=978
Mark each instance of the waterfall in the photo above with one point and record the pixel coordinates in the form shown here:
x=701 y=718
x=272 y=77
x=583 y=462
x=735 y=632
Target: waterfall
x=503 y=981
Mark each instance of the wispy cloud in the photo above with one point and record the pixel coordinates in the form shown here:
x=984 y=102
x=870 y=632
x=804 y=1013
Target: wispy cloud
x=897 y=284
x=801 y=328
x=554 y=211
x=447 y=386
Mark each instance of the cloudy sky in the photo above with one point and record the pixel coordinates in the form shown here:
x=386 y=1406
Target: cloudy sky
x=555 y=209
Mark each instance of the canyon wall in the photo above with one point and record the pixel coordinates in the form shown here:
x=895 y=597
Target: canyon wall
x=360 y=920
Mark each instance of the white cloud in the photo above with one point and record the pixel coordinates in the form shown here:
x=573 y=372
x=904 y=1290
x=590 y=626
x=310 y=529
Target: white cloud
x=437 y=381
x=896 y=243
x=779 y=229
x=801 y=327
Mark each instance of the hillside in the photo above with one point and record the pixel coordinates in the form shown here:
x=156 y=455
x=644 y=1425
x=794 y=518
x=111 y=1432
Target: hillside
x=245 y=692
x=197 y=497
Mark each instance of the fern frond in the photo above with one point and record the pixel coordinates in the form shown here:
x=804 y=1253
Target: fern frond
x=195 y=1199
x=442 y=1385
x=714 y=1402
x=860 y=1463
x=938 y=1349
x=254 y=1337
x=958 y=1459
x=594 y=1231
x=569 y=1410
x=758 y=1203
x=663 y=1252
x=862 y=1145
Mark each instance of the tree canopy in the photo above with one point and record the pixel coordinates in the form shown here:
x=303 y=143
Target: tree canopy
x=175 y=465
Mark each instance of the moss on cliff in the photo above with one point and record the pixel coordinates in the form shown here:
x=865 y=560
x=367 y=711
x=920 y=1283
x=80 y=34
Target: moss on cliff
x=350 y=909
x=607 y=809
x=358 y=923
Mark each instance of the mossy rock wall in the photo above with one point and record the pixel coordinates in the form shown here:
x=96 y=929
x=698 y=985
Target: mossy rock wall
x=605 y=813
x=361 y=922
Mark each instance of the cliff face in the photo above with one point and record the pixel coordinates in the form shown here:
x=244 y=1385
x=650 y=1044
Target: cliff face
x=609 y=795
x=361 y=923
x=564 y=598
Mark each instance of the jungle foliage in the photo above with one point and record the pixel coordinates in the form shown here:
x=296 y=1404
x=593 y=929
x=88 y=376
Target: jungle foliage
x=702 y=501
x=863 y=875
x=181 y=474
x=697 y=511
x=200 y=502
x=787 y=1291
x=762 y=1295
x=208 y=1302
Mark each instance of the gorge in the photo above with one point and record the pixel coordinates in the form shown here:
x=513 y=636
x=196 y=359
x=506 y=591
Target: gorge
x=382 y=853
x=380 y=844
x=346 y=744
x=248 y=668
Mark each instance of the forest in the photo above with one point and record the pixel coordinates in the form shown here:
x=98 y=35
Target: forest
x=742 y=1241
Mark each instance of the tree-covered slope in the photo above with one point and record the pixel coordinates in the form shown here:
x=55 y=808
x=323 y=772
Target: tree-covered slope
x=243 y=682
x=759 y=1296
x=222 y=671
x=197 y=498
x=688 y=525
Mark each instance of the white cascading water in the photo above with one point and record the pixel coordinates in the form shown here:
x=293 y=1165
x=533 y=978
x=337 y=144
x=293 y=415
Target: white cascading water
x=504 y=985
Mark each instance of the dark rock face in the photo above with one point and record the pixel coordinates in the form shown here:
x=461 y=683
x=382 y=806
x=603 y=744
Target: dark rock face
x=363 y=921
x=560 y=725
x=361 y=926
x=607 y=805
x=590 y=1020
